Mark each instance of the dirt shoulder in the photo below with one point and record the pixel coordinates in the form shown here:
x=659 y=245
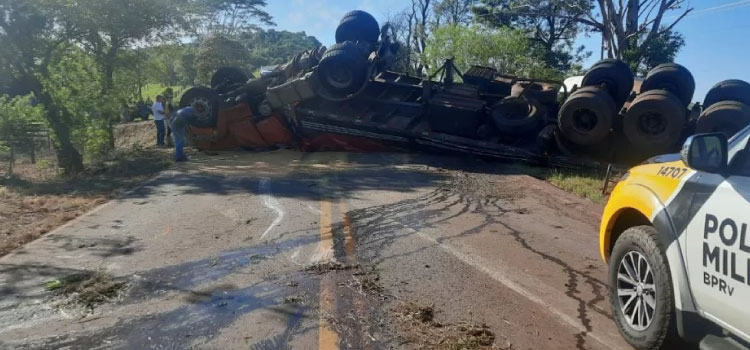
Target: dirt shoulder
x=34 y=202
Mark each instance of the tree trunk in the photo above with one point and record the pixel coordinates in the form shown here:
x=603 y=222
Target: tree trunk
x=68 y=156
x=109 y=71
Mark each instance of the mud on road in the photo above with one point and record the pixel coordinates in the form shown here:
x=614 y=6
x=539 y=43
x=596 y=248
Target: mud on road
x=285 y=250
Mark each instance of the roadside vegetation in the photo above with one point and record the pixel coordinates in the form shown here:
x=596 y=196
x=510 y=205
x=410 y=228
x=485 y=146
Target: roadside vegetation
x=586 y=184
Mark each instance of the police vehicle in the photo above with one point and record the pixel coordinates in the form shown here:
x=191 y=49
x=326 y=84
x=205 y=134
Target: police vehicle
x=675 y=235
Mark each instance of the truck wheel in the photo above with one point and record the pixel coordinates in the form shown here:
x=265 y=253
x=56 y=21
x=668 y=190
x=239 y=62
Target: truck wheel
x=587 y=117
x=227 y=76
x=728 y=117
x=613 y=73
x=539 y=92
x=343 y=69
x=654 y=121
x=641 y=289
x=358 y=26
x=673 y=78
x=728 y=90
x=205 y=101
x=516 y=115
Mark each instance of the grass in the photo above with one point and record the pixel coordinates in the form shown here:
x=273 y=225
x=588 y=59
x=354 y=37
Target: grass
x=587 y=184
x=583 y=184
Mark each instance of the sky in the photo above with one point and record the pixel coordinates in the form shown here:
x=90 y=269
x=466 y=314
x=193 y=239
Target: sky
x=717 y=34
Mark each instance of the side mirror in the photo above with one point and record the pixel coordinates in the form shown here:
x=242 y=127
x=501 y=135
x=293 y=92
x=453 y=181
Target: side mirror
x=706 y=152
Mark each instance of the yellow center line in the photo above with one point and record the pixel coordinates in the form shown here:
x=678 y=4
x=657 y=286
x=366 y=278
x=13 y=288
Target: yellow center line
x=328 y=339
x=349 y=245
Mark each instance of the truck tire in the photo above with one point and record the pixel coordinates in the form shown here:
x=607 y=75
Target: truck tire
x=654 y=121
x=358 y=26
x=587 y=116
x=728 y=90
x=633 y=288
x=228 y=76
x=728 y=117
x=343 y=69
x=613 y=73
x=673 y=78
x=206 y=104
x=539 y=92
x=517 y=115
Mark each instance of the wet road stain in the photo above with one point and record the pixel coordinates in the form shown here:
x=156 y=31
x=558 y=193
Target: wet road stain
x=382 y=226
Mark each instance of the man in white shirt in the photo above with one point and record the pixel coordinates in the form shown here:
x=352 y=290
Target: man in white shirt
x=158 y=110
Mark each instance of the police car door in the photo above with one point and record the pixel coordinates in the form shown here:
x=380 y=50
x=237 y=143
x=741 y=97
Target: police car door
x=718 y=242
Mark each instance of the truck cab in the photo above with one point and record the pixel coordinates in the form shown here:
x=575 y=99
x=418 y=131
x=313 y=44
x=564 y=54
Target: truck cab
x=675 y=236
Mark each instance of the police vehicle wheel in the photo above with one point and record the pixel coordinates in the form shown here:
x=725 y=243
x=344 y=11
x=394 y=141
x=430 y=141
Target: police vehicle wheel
x=641 y=289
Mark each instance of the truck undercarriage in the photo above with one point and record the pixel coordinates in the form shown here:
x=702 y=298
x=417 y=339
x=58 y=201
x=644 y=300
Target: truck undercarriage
x=347 y=98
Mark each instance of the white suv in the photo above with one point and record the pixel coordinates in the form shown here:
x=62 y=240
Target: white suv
x=676 y=235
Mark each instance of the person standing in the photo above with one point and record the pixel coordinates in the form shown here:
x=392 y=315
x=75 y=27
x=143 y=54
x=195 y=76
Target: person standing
x=179 y=122
x=158 y=110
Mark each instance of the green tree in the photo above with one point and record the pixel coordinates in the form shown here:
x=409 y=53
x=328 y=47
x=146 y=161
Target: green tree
x=661 y=49
x=228 y=17
x=453 y=12
x=74 y=80
x=505 y=49
x=633 y=29
x=131 y=80
x=553 y=25
x=188 y=72
x=107 y=27
x=220 y=51
x=29 y=43
x=268 y=47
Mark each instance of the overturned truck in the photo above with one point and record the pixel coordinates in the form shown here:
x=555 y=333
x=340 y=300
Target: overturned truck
x=347 y=98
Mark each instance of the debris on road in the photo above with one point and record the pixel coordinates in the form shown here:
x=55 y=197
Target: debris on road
x=424 y=314
x=419 y=328
x=87 y=289
x=328 y=266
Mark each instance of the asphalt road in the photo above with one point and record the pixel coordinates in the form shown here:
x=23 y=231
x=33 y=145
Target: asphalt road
x=286 y=250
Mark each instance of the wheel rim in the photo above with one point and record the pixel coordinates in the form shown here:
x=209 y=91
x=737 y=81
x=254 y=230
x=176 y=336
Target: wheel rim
x=584 y=120
x=636 y=291
x=652 y=124
x=340 y=76
x=202 y=108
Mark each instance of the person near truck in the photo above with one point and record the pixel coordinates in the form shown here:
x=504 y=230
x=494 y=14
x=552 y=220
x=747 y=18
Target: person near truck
x=159 y=115
x=179 y=122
